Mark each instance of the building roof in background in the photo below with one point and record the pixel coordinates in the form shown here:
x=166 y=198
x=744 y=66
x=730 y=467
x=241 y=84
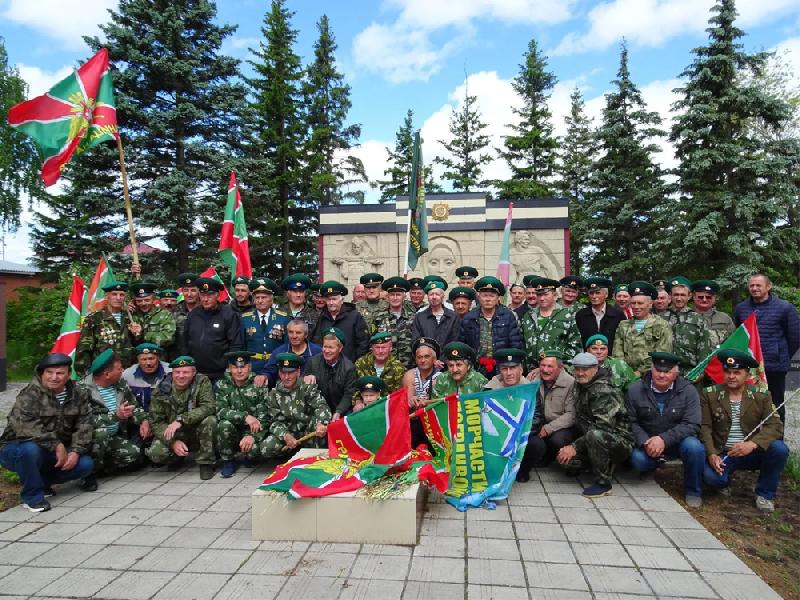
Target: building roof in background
x=6 y=266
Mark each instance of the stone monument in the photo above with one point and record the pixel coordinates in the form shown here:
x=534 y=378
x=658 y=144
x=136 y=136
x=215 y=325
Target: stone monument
x=463 y=229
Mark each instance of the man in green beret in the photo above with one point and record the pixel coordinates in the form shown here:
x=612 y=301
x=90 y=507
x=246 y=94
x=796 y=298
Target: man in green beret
x=333 y=373
x=242 y=419
x=297 y=304
x=742 y=430
x=263 y=327
x=462 y=299
x=369 y=389
x=509 y=366
x=144 y=376
x=183 y=417
x=571 y=287
x=461 y=377
x=296 y=409
x=120 y=423
x=168 y=300
x=466 y=276
x=397 y=319
x=380 y=362
x=372 y=304
x=344 y=316
x=549 y=326
x=622 y=298
x=436 y=321
x=691 y=339
x=242 y=300
x=416 y=293
x=109 y=327
x=622 y=376
x=644 y=332
x=151 y=323
x=662 y=301
x=720 y=325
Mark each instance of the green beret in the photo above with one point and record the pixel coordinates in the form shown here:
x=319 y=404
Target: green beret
x=490 y=284
x=435 y=284
x=415 y=283
x=664 y=361
x=508 y=356
x=148 y=348
x=168 y=294
x=459 y=351
x=115 y=286
x=315 y=288
x=677 y=281
x=596 y=283
x=571 y=281
x=208 y=285
x=598 y=339
x=395 y=284
x=142 y=289
x=182 y=361
x=530 y=281
x=101 y=361
x=56 y=359
x=705 y=285
x=263 y=284
x=371 y=279
x=381 y=336
x=736 y=359
x=621 y=287
x=332 y=288
x=187 y=279
x=428 y=278
x=288 y=361
x=642 y=288
x=370 y=383
x=239 y=358
x=461 y=292
x=551 y=353
x=296 y=281
x=466 y=272
x=241 y=280
x=544 y=284
x=335 y=331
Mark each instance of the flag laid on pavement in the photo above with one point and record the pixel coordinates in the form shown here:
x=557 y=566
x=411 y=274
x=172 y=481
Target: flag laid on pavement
x=233 y=244
x=504 y=266
x=440 y=424
x=417 y=211
x=95 y=299
x=76 y=114
x=67 y=340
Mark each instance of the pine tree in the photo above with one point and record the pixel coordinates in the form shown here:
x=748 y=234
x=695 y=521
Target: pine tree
x=627 y=191
x=464 y=170
x=731 y=184
x=329 y=169
x=576 y=161
x=531 y=151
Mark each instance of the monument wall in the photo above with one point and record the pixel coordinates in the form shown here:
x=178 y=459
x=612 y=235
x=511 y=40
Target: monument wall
x=463 y=229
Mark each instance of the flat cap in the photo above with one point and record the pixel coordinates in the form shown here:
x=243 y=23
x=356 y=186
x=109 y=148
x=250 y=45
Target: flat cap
x=584 y=359
x=56 y=359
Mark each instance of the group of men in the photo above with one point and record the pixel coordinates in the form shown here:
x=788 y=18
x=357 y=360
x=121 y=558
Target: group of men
x=250 y=379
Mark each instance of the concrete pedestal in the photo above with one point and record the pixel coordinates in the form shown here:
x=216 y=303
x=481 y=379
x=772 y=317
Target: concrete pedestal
x=347 y=517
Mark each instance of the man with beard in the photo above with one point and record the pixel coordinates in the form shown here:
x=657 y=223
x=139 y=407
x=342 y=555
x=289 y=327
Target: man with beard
x=461 y=377
x=343 y=316
x=168 y=299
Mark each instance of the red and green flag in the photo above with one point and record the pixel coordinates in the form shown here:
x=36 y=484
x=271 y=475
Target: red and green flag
x=95 y=299
x=76 y=114
x=746 y=339
x=67 y=340
x=233 y=245
x=417 y=211
x=504 y=266
x=211 y=272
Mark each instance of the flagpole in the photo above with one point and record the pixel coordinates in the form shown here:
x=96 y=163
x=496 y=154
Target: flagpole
x=408 y=240
x=134 y=252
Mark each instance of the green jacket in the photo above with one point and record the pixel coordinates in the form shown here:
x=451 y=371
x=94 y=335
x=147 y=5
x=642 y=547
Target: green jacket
x=691 y=339
x=634 y=347
x=716 y=425
x=296 y=411
x=719 y=324
x=158 y=327
x=38 y=417
x=400 y=327
x=621 y=374
x=444 y=384
x=234 y=403
x=600 y=406
x=104 y=421
x=193 y=404
x=392 y=376
x=557 y=332
x=369 y=309
x=99 y=332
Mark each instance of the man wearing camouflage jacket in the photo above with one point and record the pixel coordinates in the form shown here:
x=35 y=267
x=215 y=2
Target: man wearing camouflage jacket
x=691 y=339
x=549 y=326
x=109 y=327
x=644 y=332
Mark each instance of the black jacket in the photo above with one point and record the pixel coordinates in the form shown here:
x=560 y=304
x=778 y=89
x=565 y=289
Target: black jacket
x=448 y=330
x=587 y=324
x=505 y=329
x=337 y=384
x=352 y=324
x=207 y=335
x=681 y=416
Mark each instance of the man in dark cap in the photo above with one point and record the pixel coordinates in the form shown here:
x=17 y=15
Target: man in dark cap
x=333 y=373
x=144 y=376
x=416 y=293
x=462 y=299
x=531 y=300
x=49 y=433
x=509 y=369
x=461 y=377
x=242 y=300
x=151 y=323
x=600 y=316
x=191 y=300
x=109 y=327
x=263 y=327
x=622 y=299
x=719 y=324
x=571 y=287
x=211 y=330
x=297 y=305
x=168 y=299
x=644 y=332
x=397 y=319
x=466 y=276
x=742 y=430
x=369 y=389
x=664 y=410
x=691 y=340
x=344 y=316
x=372 y=304
x=549 y=326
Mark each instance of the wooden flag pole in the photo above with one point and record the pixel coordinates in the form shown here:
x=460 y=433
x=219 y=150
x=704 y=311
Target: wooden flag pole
x=134 y=251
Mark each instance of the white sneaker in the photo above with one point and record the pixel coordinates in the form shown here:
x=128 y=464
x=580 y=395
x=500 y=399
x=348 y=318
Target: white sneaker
x=764 y=505
x=694 y=501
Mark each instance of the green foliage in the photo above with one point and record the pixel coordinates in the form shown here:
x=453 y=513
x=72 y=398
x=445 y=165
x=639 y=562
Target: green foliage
x=531 y=151
x=792 y=470
x=9 y=476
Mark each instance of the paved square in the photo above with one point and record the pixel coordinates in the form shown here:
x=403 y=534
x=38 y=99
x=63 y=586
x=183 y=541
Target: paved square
x=156 y=534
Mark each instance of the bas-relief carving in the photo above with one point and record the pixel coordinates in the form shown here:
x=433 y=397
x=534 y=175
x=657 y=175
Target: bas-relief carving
x=530 y=255
x=443 y=257
x=353 y=256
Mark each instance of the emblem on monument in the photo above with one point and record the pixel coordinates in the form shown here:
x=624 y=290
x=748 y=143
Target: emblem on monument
x=440 y=211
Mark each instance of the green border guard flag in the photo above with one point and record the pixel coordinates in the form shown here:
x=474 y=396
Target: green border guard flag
x=417 y=211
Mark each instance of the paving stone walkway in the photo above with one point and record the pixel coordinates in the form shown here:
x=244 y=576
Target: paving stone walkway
x=155 y=534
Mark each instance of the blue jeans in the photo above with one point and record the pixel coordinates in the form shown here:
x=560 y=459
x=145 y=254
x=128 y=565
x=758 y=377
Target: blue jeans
x=36 y=468
x=769 y=463
x=691 y=452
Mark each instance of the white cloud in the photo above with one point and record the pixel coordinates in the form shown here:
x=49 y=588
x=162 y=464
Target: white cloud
x=40 y=81
x=433 y=15
x=64 y=20
x=788 y=52
x=653 y=22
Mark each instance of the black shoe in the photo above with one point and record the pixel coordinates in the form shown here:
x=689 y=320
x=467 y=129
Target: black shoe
x=206 y=472
x=89 y=484
x=523 y=476
x=37 y=507
x=49 y=492
x=175 y=464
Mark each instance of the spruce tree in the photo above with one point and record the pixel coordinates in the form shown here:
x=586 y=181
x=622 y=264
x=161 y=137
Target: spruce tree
x=627 y=191
x=531 y=151
x=330 y=171
x=464 y=169
x=575 y=165
x=731 y=184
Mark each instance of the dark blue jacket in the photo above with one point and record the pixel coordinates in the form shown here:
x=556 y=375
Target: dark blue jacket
x=505 y=329
x=778 y=327
x=680 y=419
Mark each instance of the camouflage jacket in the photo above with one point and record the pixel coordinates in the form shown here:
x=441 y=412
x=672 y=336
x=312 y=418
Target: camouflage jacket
x=444 y=384
x=600 y=406
x=234 y=402
x=307 y=314
x=400 y=327
x=634 y=347
x=719 y=325
x=193 y=404
x=158 y=327
x=370 y=309
x=99 y=332
x=104 y=421
x=38 y=417
x=392 y=376
x=621 y=374
x=296 y=411
x=558 y=332
x=691 y=339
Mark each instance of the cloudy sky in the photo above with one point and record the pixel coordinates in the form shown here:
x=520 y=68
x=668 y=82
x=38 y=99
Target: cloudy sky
x=422 y=54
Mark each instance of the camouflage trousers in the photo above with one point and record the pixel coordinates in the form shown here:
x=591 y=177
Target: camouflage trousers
x=599 y=453
x=115 y=452
x=199 y=438
x=229 y=436
x=272 y=446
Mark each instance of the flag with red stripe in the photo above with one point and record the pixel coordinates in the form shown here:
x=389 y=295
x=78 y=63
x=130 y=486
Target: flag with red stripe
x=67 y=340
x=504 y=266
x=233 y=244
x=95 y=299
